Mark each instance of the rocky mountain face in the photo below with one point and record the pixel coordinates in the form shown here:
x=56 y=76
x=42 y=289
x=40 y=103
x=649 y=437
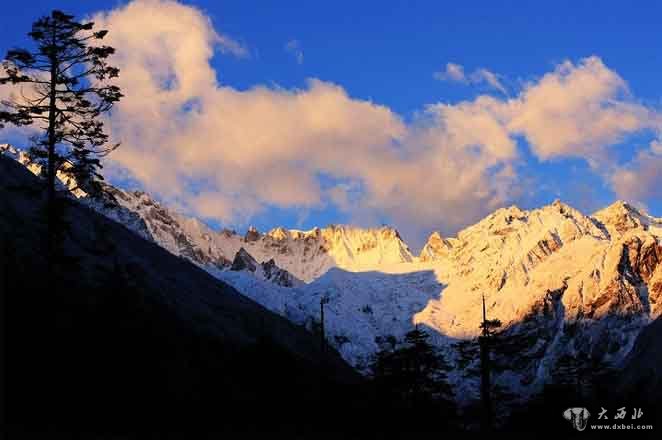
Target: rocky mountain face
x=268 y=270
x=562 y=283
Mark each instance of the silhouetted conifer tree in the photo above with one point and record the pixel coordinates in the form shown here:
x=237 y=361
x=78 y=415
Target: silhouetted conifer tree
x=488 y=329
x=411 y=375
x=426 y=367
x=67 y=92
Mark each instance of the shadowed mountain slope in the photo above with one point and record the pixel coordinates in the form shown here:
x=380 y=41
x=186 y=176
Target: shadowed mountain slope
x=126 y=334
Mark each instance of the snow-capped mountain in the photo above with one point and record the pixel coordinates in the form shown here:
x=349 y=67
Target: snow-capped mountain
x=561 y=282
x=557 y=279
x=304 y=255
x=307 y=255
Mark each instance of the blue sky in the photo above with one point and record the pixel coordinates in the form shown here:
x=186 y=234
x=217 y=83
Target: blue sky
x=387 y=53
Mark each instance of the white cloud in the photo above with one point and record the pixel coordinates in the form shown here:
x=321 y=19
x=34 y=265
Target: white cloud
x=294 y=48
x=577 y=110
x=227 y=154
x=455 y=72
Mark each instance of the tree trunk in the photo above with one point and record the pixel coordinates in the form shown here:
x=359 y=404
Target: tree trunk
x=485 y=386
x=50 y=201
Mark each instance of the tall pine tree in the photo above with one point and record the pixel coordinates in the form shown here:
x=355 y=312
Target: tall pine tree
x=61 y=86
x=488 y=330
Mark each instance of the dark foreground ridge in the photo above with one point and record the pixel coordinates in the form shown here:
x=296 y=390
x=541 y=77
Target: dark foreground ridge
x=128 y=336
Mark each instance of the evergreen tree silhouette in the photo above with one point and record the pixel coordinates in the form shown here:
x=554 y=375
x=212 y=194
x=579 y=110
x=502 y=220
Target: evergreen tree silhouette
x=412 y=375
x=486 y=340
x=425 y=367
x=61 y=86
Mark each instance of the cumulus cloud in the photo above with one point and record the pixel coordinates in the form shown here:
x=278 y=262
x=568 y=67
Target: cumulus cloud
x=228 y=154
x=577 y=110
x=239 y=150
x=455 y=72
x=293 y=47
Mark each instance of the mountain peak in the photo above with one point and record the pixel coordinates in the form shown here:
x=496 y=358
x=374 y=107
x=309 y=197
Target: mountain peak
x=621 y=216
x=436 y=236
x=437 y=247
x=622 y=206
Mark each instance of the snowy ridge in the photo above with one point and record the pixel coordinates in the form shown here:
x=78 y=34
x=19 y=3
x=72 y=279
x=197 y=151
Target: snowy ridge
x=64 y=181
x=306 y=255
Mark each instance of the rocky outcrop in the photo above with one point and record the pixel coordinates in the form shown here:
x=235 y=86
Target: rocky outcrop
x=269 y=271
x=243 y=261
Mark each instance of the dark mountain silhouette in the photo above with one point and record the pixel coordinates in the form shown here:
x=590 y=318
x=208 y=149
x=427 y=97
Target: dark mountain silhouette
x=642 y=373
x=135 y=337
